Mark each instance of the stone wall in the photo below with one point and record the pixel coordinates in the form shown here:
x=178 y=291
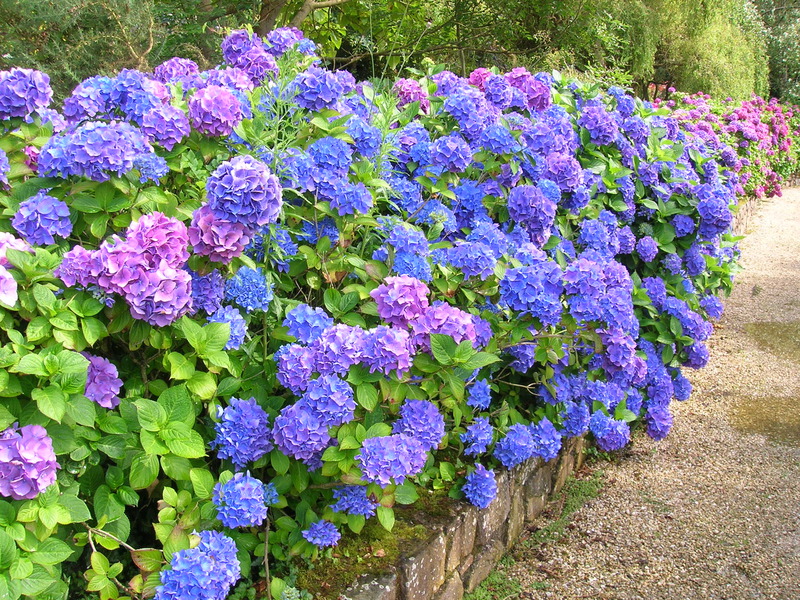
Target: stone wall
x=465 y=543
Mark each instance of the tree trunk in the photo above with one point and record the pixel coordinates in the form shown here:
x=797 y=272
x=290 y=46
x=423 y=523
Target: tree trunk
x=268 y=15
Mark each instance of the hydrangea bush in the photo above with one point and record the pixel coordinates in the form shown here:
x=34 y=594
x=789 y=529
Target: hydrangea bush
x=244 y=310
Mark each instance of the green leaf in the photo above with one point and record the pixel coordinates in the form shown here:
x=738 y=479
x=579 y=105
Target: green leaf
x=177 y=404
x=106 y=503
x=151 y=415
x=367 y=396
x=51 y=402
x=44 y=297
x=279 y=461
x=82 y=410
x=443 y=348
x=77 y=509
x=8 y=550
x=65 y=320
x=21 y=568
x=183 y=441
x=386 y=517
x=37 y=582
x=31 y=364
x=38 y=329
x=217 y=335
x=331 y=298
x=6 y=418
x=203 y=384
x=356 y=523
x=72 y=362
x=93 y=330
x=144 y=470
x=194 y=334
x=203 y=482
x=52 y=551
x=447 y=471
x=480 y=360
x=406 y=493
x=148 y=560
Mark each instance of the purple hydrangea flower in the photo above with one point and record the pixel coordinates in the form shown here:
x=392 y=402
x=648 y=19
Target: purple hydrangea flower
x=515 y=447
x=475 y=259
x=5 y=167
x=241 y=501
x=480 y=487
x=683 y=224
x=351 y=199
x=444 y=319
x=23 y=91
x=340 y=347
x=296 y=366
x=317 y=88
x=283 y=38
x=40 y=218
x=322 y=534
x=387 y=349
x=647 y=248
x=215 y=111
x=242 y=190
x=353 y=500
x=166 y=126
x=102 y=381
x=401 y=299
x=219 y=239
x=602 y=127
x=451 y=152
x=477 y=437
x=9 y=292
x=659 y=421
x=249 y=289
x=243 y=433
x=231 y=316
x=307 y=323
x=299 y=433
x=160 y=297
x=385 y=460
x=329 y=398
x=175 y=70
x=409 y=91
x=564 y=170
x=421 y=419
x=259 y=64
x=575 y=419
x=205 y=572
x=27 y=462
x=546 y=439
x=713 y=306
x=697 y=355
x=528 y=205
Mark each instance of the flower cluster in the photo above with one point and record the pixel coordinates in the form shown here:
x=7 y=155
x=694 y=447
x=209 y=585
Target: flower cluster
x=242 y=432
x=241 y=501
x=27 y=462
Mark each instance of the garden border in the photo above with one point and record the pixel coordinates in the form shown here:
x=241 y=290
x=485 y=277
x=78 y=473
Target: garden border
x=464 y=545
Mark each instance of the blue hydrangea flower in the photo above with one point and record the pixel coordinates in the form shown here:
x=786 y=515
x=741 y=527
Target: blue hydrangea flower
x=658 y=420
x=5 y=167
x=243 y=433
x=534 y=289
x=330 y=399
x=353 y=500
x=205 y=572
x=241 y=501
x=421 y=419
x=231 y=316
x=647 y=248
x=477 y=437
x=322 y=534
x=296 y=366
x=249 y=289
x=307 y=323
x=515 y=447
x=451 y=152
x=243 y=190
x=575 y=419
x=331 y=154
x=475 y=259
x=546 y=439
x=479 y=394
x=609 y=433
x=385 y=460
x=480 y=487
x=352 y=199
x=317 y=88
x=40 y=218
x=367 y=138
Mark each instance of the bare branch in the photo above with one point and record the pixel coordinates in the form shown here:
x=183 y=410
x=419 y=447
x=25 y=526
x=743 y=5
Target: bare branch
x=310 y=6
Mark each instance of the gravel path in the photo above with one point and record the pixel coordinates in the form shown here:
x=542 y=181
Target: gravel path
x=713 y=511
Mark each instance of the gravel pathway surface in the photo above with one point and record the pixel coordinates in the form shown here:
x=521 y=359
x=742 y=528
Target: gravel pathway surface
x=713 y=511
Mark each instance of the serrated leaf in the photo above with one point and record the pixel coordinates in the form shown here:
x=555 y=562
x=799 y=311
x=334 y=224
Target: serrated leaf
x=148 y=560
x=480 y=360
x=443 y=348
x=202 y=482
x=51 y=402
x=204 y=385
x=183 y=441
x=144 y=470
x=8 y=550
x=367 y=396
x=52 y=551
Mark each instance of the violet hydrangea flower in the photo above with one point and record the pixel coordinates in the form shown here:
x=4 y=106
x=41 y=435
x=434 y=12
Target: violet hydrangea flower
x=219 y=239
x=243 y=190
x=387 y=349
x=307 y=323
x=477 y=437
x=208 y=291
x=27 y=462
x=442 y=318
x=421 y=420
x=401 y=299
x=299 y=433
x=353 y=500
x=102 y=381
x=330 y=398
x=22 y=91
x=385 y=460
x=40 y=218
x=215 y=111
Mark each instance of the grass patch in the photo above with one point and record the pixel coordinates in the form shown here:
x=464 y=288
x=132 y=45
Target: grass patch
x=499 y=585
x=575 y=494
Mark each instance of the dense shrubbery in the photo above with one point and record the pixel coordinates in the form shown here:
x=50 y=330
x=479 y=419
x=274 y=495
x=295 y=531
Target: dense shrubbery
x=762 y=132
x=268 y=285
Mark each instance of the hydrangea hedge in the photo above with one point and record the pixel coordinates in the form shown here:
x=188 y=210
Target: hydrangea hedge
x=247 y=309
